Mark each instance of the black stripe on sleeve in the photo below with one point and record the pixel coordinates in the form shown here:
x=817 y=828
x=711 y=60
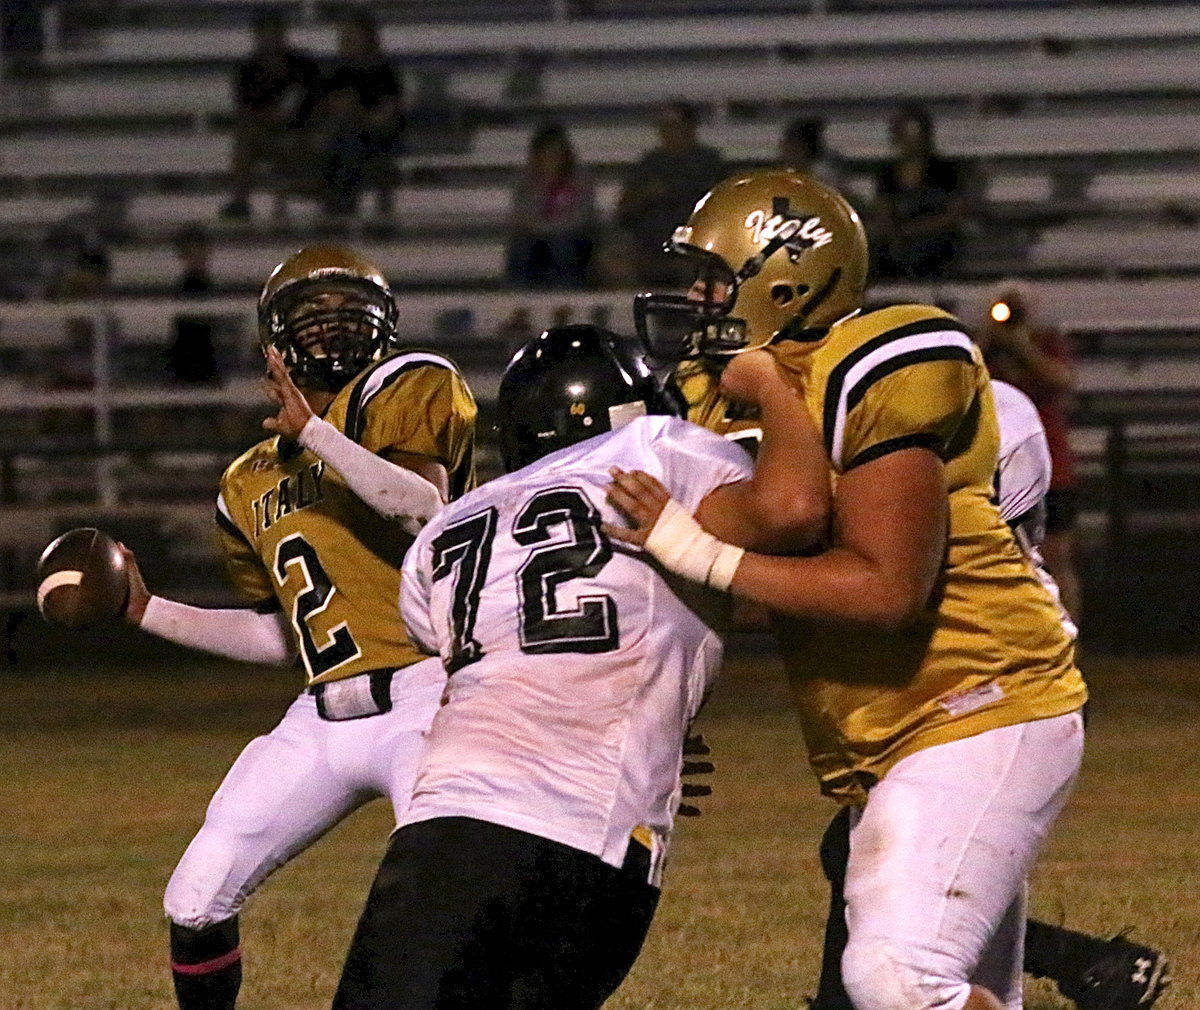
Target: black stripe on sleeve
x=837 y=377
x=894 y=364
x=919 y=440
x=356 y=410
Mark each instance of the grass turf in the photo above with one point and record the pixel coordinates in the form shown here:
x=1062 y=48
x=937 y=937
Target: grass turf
x=108 y=771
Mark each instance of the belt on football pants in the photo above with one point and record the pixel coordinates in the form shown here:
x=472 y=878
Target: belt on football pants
x=357 y=697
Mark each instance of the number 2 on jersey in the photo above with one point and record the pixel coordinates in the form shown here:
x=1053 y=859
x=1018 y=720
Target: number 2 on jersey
x=318 y=590
x=464 y=551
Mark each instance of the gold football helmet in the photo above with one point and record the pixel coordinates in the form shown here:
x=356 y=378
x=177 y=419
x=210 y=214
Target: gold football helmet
x=777 y=254
x=330 y=313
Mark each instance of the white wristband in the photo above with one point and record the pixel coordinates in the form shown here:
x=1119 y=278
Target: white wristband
x=395 y=492
x=682 y=546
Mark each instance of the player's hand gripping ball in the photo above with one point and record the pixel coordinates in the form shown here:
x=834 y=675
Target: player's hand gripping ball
x=82 y=579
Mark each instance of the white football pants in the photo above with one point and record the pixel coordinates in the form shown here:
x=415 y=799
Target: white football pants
x=288 y=788
x=939 y=856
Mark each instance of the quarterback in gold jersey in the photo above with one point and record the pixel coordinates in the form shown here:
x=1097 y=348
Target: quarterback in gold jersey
x=935 y=684
x=369 y=441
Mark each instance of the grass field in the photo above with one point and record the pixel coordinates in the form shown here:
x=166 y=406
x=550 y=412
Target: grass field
x=107 y=772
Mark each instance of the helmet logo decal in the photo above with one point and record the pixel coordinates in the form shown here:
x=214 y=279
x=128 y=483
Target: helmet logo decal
x=797 y=232
x=578 y=409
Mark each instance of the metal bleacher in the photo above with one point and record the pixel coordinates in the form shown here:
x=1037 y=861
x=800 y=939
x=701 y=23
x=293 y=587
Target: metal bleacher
x=1080 y=123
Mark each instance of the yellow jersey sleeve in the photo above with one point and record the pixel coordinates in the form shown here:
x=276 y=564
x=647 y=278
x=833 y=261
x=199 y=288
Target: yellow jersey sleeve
x=416 y=402
x=905 y=389
x=243 y=565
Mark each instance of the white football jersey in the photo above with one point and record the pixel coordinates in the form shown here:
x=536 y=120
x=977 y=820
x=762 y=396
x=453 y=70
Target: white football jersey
x=574 y=666
x=1022 y=480
x=1023 y=475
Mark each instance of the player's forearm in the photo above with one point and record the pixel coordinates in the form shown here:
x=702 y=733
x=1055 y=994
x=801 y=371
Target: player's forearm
x=842 y=584
x=231 y=632
x=784 y=508
x=395 y=492
x=838 y=585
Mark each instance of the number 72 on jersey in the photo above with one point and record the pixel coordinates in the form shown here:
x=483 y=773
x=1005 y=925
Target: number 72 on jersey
x=463 y=552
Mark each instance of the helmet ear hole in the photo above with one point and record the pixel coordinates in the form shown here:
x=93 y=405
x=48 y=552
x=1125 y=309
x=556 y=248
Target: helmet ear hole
x=783 y=294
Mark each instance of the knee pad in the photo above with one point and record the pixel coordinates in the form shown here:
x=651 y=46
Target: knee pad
x=880 y=974
x=203 y=890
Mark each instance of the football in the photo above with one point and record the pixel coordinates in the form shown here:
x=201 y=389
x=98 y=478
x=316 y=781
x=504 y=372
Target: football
x=82 y=579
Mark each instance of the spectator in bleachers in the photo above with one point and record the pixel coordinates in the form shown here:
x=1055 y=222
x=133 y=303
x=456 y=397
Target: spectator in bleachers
x=360 y=119
x=274 y=90
x=659 y=193
x=802 y=148
x=70 y=367
x=553 y=216
x=920 y=204
x=515 y=331
x=1024 y=347
x=86 y=278
x=21 y=37
x=191 y=357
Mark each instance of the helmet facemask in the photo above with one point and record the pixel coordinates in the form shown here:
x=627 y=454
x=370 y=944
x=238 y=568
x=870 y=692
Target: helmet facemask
x=329 y=328
x=673 y=327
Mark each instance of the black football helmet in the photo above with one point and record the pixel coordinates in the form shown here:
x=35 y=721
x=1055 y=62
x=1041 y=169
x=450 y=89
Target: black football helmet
x=330 y=313
x=570 y=383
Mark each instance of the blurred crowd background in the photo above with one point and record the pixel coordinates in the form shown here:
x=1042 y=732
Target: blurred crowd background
x=512 y=166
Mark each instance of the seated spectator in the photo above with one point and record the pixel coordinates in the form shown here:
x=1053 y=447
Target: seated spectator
x=515 y=331
x=920 y=204
x=659 y=194
x=191 y=357
x=802 y=149
x=86 y=278
x=274 y=90
x=553 y=216
x=360 y=119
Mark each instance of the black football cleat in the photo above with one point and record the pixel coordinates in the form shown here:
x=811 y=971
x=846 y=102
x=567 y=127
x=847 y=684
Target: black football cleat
x=1126 y=976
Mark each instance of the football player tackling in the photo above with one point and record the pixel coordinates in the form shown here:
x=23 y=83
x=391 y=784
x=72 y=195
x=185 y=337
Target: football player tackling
x=935 y=683
x=314 y=523
x=525 y=873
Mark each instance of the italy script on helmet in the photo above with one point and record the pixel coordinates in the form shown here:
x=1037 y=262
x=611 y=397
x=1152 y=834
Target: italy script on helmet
x=777 y=254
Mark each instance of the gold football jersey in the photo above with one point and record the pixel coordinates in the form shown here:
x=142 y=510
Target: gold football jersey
x=697 y=381
x=294 y=535
x=989 y=650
